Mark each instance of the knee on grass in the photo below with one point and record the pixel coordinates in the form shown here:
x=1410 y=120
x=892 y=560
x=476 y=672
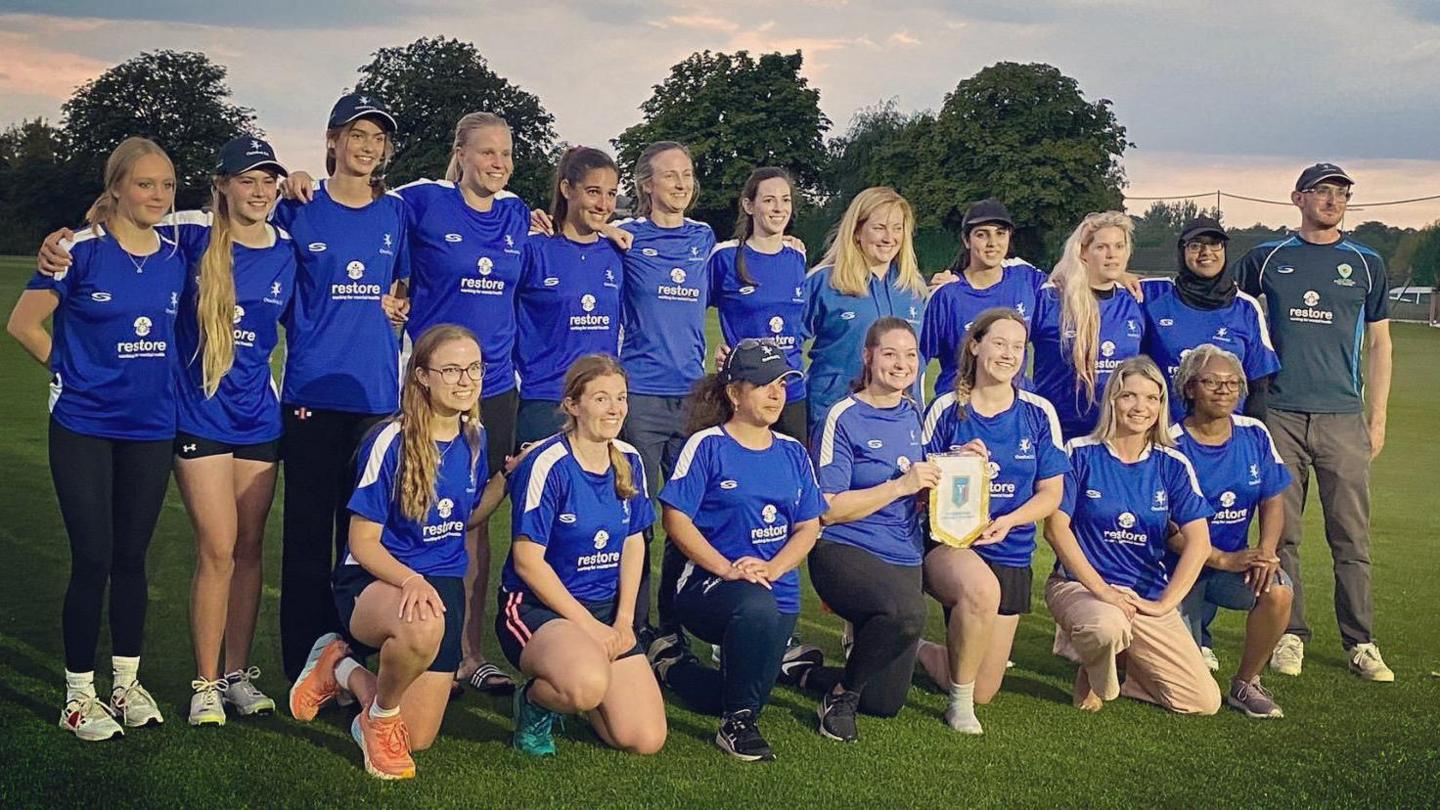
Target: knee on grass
x=644 y=740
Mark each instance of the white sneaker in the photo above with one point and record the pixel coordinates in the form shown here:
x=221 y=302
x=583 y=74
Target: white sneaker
x=1366 y=662
x=239 y=691
x=1289 y=655
x=206 y=707
x=135 y=707
x=1212 y=662
x=89 y=719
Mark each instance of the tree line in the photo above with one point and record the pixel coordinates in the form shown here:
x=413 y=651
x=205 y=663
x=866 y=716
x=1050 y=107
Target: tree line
x=1024 y=133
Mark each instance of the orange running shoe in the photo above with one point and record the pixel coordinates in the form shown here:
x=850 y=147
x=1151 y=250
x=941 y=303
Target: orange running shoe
x=316 y=685
x=385 y=745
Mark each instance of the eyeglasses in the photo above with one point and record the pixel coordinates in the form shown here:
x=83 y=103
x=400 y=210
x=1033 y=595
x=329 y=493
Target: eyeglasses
x=1197 y=246
x=451 y=374
x=1215 y=386
x=1329 y=193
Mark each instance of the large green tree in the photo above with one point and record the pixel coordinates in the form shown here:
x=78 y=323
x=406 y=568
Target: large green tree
x=39 y=189
x=736 y=113
x=432 y=82
x=1160 y=225
x=1024 y=134
x=179 y=99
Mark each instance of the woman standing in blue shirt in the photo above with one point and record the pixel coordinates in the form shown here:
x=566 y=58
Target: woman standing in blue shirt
x=1086 y=323
x=757 y=282
x=1242 y=475
x=985 y=589
x=568 y=300
x=112 y=421
x=1111 y=592
x=743 y=507
x=567 y=595
x=870 y=463
x=1203 y=304
x=869 y=272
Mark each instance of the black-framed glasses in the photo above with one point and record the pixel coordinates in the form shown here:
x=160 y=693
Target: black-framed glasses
x=451 y=374
x=1215 y=386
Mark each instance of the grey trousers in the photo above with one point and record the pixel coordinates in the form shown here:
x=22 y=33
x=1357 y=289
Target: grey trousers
x=1337 y=447
x=656 y=427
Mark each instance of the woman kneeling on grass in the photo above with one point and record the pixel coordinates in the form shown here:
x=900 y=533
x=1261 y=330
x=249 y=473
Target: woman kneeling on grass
x=743 y=507
x=567 y=595
x=1110 y=593
x=985 y=589
x=1242 y=475
x=400 y=588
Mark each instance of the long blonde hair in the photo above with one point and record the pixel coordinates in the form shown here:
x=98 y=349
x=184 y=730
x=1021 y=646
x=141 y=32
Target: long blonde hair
x=468 y=123
x=215 y=300
x=580 y=374
x=419 y=458
x=1079 y=310
x=117 y=170
x=850 y=274
x=1145 y=367
x=965 y=376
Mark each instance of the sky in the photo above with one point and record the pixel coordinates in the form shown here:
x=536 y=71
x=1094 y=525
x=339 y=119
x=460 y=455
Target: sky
x=1233 y=96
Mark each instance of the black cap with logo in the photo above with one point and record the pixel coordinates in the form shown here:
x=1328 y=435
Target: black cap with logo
x=242 y=154
x=986 y=212
x=1319 y=173
x=1203 y=226
x=760 y=362
x=360 y=105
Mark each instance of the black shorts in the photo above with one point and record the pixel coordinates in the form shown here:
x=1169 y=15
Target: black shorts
x=189 y=446
x=1015 y=584
x=521 y=614
x=350 y=580
x=497 y=413
x=537 y=419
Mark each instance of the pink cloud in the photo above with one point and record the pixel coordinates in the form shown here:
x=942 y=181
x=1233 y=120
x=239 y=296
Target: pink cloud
x=27 y=68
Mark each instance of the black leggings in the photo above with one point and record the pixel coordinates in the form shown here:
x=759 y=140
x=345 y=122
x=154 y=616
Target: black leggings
x=886 y=604
x=318 y=449
x=110 y=494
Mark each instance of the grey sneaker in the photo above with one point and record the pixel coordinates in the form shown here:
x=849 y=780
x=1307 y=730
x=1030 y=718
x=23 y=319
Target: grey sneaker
x=240 y=691
x=135 y=707
x=206 y=706
x=1366 y=662
x=1253 y=699
x=1289 y=655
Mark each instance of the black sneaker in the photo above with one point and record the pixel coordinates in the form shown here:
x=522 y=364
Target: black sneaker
x=797 y=661
x=837 y=716
x=739 y=736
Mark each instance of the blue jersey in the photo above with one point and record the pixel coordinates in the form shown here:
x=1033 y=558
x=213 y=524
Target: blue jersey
x=1318 y=298
x=576 y=517
x=1235 y=477
x=773 y=306
x=838 y=324
x=1025 y=449
x=435 y=547
x=1122 y=327
x=662 y=310
x=113 y=334
x=859 y=446
x=1120 y=512
x=953 y=307
x=341 y=353
x=246 y=407
x=1173 y=328
x=745 y=502
x=464 y=267
x=568 y=306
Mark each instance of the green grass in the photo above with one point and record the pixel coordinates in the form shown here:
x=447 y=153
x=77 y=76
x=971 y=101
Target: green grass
x=1343 y=742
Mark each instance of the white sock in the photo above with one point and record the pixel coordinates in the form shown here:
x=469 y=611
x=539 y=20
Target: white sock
x=378 y=713
x=961 y=713
x=79 y=685
x=344 y=670
x=127 y=670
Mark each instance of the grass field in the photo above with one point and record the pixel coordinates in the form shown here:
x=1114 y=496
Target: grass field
x=1344 y=742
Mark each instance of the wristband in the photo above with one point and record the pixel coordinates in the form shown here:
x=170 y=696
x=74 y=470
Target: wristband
x=406 y=581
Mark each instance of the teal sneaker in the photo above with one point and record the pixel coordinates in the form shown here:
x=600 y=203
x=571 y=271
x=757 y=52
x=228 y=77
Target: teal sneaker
x=533 y=726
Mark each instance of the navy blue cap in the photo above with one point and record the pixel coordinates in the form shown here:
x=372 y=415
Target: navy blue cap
x=242 y=154
x=1201 y=226
x=358 y=105
x=758 y=361
x=986 y=212
x=1319 y=173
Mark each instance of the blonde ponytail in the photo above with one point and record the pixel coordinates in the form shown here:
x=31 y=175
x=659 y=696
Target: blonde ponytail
x=215 y=301
x=468 y=123
x=1079 y=309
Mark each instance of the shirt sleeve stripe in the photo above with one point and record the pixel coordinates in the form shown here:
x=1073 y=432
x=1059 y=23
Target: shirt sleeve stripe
x=540 y=473
x=378 y=450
